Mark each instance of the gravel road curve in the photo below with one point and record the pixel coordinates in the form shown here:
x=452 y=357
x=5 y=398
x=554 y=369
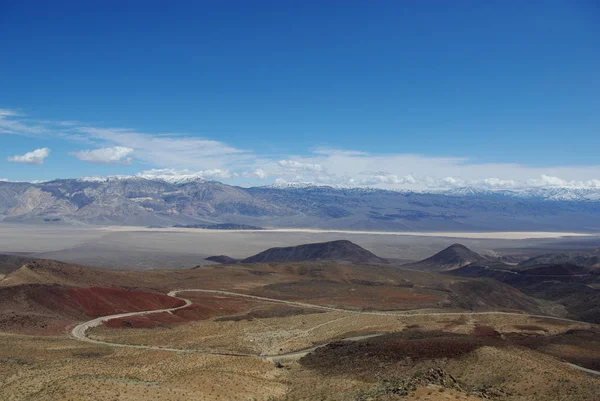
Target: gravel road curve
x=80 y=331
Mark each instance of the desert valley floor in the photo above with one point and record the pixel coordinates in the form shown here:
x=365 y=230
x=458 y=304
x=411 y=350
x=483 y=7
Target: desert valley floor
x=331 y=321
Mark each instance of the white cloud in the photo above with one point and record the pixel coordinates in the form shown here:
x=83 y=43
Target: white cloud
x=293 y=165
x=549 y=181
x=369 y=179
x=8 y=113
x=173 y=151
x=169 y=174
x=34 y=157
x=453 y=182
x=3 y=179
x=117 y=154
x=496 y=183
x=259 y=174
x=338 y=152
x=409 y=171
x=15 y=123
x=409 y=179
x=545 y=180
x=192 y=156
x=216 y=173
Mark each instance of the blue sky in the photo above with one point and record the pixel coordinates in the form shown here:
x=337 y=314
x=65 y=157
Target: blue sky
x=388 y=93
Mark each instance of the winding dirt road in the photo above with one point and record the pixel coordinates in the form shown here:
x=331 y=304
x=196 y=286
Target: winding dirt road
x=80 y=331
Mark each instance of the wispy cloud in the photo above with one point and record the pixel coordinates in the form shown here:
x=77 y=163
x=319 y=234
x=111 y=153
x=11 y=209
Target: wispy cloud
x=4 y=113
x=258 y=174
x=169 y=155
x=296 y=166
x=34 y=157
x=11 y=122
x=117 y=154
x=172 y=151
x=170 y=174
x=395 y=171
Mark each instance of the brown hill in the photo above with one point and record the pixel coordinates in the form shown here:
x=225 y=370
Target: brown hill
x=50 y=308
x=10 y=263
x=223 y=259
x=43 y=271
x=325 y=282
x=574 y=287
x=341 y=251
x=453 y=257
x=586 y=259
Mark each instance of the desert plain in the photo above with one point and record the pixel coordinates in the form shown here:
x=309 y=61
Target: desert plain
x=311 y=330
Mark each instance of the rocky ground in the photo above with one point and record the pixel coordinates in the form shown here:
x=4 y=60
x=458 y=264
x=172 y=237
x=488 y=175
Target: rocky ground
x=465 y=356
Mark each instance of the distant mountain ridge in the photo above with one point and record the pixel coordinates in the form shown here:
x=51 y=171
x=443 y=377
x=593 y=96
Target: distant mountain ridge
x=192 y=201
x=586 y=259
x=540 y=193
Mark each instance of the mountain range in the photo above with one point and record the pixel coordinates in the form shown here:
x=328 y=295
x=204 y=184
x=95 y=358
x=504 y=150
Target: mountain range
x=158 y=202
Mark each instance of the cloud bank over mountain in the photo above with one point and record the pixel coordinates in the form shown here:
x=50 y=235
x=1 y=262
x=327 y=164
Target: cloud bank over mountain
x=175 y=155
x=116 y=154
